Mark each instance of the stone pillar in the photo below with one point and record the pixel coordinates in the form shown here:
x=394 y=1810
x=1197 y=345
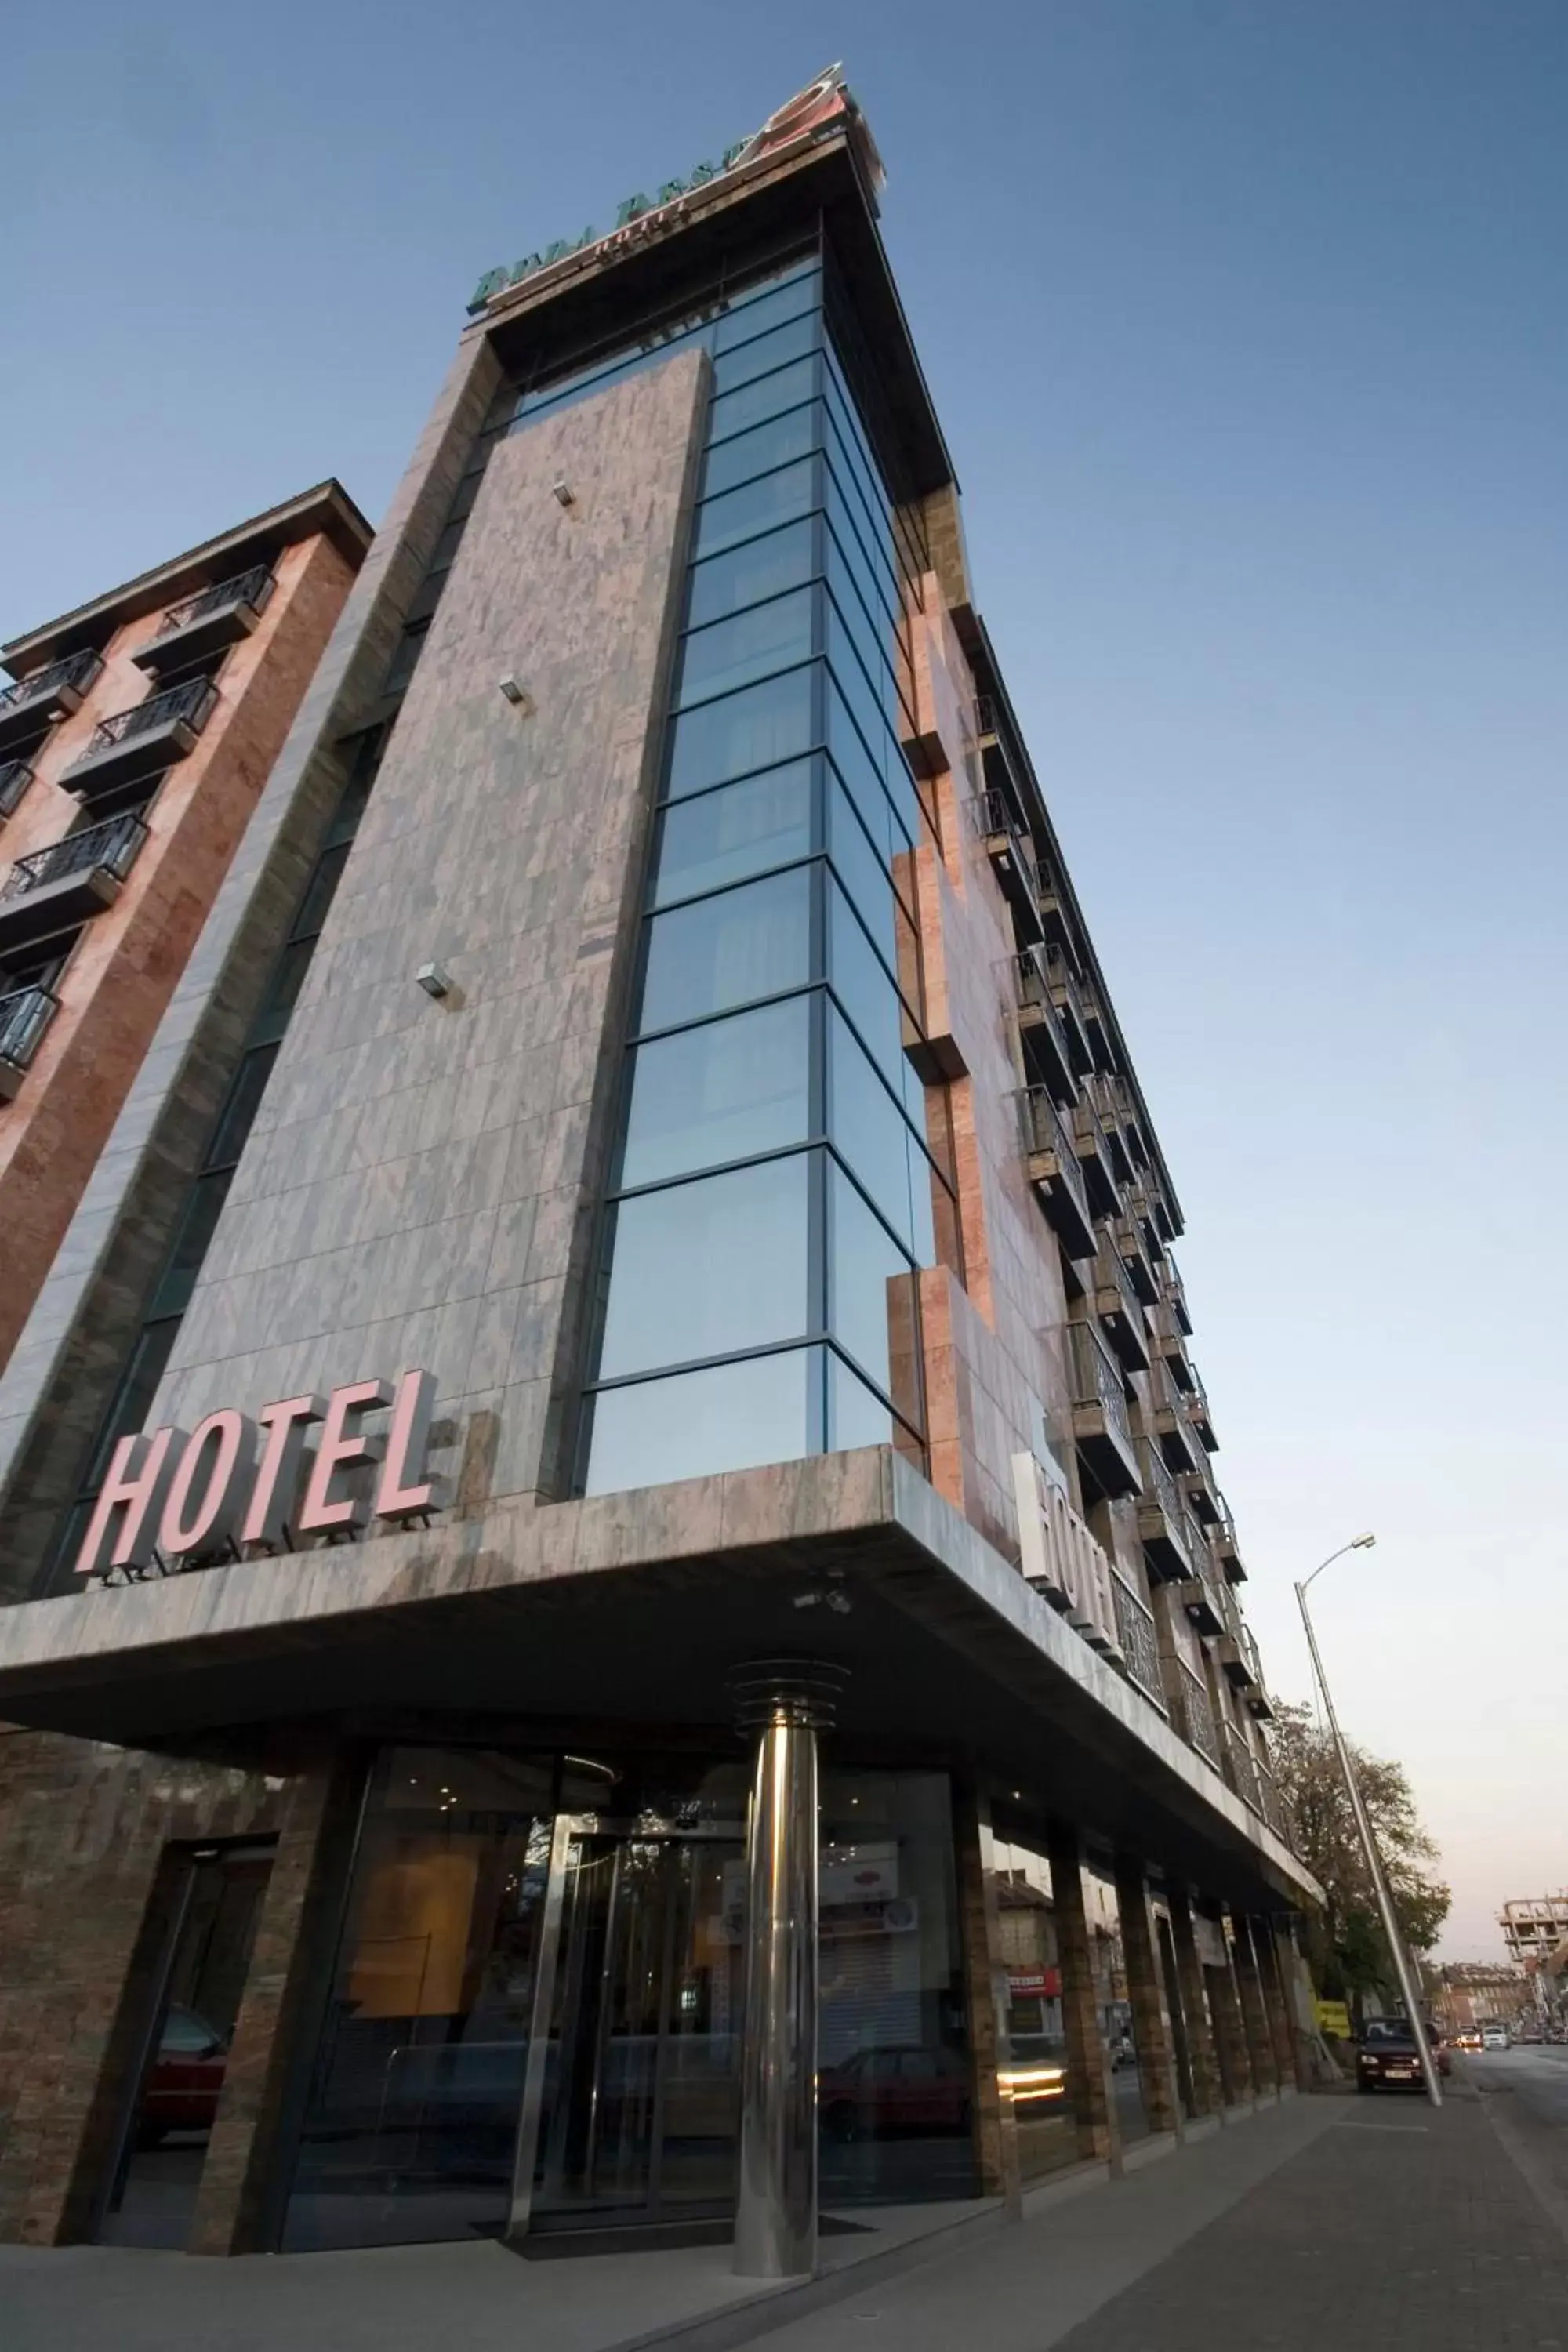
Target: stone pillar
x=996 y=2126
x=1151 y=2031
x=1230 y=2035
x=1254 y=2016
x=1281 y=1977
x=1202 y=2065
x=1088 y=2060
x=238 y=2203
x=784 y=1702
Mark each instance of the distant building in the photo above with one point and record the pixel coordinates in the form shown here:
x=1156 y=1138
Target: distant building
x=1468 y=1991
x=1534 y=1927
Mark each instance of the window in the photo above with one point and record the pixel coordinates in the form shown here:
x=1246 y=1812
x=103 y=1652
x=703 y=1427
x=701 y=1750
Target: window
x=761 y=450
x=731 y=1417
x=708 y=1268
x=748 y=645
x=726 y=1090
x=754 y=728
x=749 y=574
x=756 y=505
x=730 y=950
x=741 y=829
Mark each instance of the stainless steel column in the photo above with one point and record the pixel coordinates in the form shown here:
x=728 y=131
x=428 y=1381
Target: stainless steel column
x=786 y=1702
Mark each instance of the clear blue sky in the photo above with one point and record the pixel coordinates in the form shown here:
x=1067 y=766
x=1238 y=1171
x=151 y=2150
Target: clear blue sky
x=1248 y=324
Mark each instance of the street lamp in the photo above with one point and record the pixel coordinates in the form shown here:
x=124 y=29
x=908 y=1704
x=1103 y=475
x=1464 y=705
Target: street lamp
x=1401 y=1968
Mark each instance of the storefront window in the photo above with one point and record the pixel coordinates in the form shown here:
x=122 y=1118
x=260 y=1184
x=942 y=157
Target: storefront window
x=1113 y=2003
x=1034 y=2051
x=894 y=2084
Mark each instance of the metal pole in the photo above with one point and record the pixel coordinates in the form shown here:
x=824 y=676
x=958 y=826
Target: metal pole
x=1401 y=1968
x=784 y=1702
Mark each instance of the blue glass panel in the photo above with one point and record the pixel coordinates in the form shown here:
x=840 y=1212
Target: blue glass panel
x=861 y=778
x=708 y=1268
x=855 y=1417
x=756 y=507
x=728 y=950
x=747 y=647
x=745 y=828
x=766 y=354
x=872 y=1135
x=767 y=723
x=732 y=1417
x=723 y=1091
x=755 y=316
x=761 y=450
x=749 y=574
x=862 y=873
x=865 y=988
x=764 y=396
x=871 y=1307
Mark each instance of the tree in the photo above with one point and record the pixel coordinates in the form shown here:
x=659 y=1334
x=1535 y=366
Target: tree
x=1349 y=1952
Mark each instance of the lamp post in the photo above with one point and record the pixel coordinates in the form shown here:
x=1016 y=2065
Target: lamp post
x=1395 y=1941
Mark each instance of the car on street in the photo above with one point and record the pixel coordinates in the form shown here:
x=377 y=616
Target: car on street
x=880 y=2090
x=1388 y=2059
x=1494 y=2037
x=184 y=2079
x=1468 y=2038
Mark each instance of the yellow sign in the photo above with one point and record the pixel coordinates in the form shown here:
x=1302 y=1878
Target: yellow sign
x=1333 y=2018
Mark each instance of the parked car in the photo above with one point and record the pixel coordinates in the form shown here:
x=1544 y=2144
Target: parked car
x=1494 y=2037
x=184 y=2079
x=879 y=2091
x=1387 y=2057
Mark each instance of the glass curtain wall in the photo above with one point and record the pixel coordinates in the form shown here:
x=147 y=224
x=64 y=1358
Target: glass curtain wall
x=1034 y=2033
x=775 y=1186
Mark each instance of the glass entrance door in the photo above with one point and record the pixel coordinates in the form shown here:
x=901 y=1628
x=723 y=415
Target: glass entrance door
x=638 y=2112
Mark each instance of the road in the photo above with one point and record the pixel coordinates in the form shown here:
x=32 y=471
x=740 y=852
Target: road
x=1526 y=2094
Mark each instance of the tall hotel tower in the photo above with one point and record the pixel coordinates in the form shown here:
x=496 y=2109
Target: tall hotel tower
x=619 y=1618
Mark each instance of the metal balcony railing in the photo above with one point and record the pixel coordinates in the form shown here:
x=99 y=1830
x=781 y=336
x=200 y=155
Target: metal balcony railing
x=110 y=847
x=1174 y=1294
x=1160 y=1487
x=1111 y=1274
x=1096 y=1378
x=1272 y=1804
x=1196 y=1726
x=191 y=703
x=15 y=777
x=253 y=588
x=25 y=1015
x=1241 y=1769
x=76 y=672
x=1135 y=1632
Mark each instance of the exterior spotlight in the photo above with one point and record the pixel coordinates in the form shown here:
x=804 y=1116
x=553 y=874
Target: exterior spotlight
x=434 y=978
x=1362 y=1543
x=564 y=493
x=517 y=694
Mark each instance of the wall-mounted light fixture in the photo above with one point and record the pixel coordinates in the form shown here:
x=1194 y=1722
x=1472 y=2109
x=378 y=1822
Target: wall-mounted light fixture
x=434 y=978
x=517 y=694
x=564 y=493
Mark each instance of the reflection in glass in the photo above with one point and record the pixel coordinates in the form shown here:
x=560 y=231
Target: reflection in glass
x=749 y=645
x=1113 y=2006
x=729 y=1417
x=741 y=829
x=764 y=395
x=726 y=1090
x=1033 y=2053
x=873 y=1137
x=755 y=729
x=710 y=1268
x=864 y=986
x=749 y=574
x=732 y=949
x=871 y=1297
x=764 y=354
x=756 y=505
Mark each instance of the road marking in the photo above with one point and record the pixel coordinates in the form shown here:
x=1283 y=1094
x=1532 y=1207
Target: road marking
x=1349 y=2124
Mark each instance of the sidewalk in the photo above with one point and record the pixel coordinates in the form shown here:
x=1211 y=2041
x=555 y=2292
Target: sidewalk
x=1327 y=2224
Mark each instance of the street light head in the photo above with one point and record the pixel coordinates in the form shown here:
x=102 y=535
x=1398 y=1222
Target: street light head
x=1362 y=1543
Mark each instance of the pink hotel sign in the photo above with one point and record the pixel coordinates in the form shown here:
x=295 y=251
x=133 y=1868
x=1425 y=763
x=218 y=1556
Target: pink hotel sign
x=237 y=1480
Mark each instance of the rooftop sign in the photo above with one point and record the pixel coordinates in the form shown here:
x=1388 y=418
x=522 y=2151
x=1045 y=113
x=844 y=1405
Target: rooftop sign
x=825 y=101
x=233 y=1480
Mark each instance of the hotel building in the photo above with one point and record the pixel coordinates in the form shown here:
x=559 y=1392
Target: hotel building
x=745 y=1711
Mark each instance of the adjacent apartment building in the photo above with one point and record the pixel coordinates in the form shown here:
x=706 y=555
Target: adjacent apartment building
x=621 y=1626
x=1534 y=1927
x=134 y=743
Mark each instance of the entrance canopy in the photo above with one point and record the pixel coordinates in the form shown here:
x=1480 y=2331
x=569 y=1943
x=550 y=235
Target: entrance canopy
x=635 y=1610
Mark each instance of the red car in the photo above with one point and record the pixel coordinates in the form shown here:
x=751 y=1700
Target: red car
x=882 y=2091
x=185 y=2078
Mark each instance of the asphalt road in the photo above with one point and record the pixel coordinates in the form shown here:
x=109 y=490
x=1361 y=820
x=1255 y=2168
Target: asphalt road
x=1526 y=2091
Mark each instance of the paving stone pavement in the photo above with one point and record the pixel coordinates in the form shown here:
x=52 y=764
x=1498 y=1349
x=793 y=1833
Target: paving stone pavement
x=1399 y=2228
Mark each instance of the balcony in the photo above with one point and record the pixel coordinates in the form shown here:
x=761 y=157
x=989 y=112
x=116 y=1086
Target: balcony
x=30 y=708
x=1046 y=1054
x=1055 y=1173
x=1178 y=1439
x=1273 y=1805
x=1117 y=1305
x=1107 y=1099
x=1201 y=1596
x=60 y=887
x=1196 y=1406
x=15 y=777
x=1099 y=1028
x=1238 y=1657
x=1241 y=1769
x=205 y=623
x=1192 y=1716
x=1226 y=1547
x=1128 y=1236
x=24 y=1015
x=1175 y=1297
x=1068 y=998
x=1169 y=1343
x=1163 y=1519
x=1198 y=1487
x=1101 y=1425
x=1135 y=1634
x=1012 y=859
x=137 y=744
x=1093 y=1148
